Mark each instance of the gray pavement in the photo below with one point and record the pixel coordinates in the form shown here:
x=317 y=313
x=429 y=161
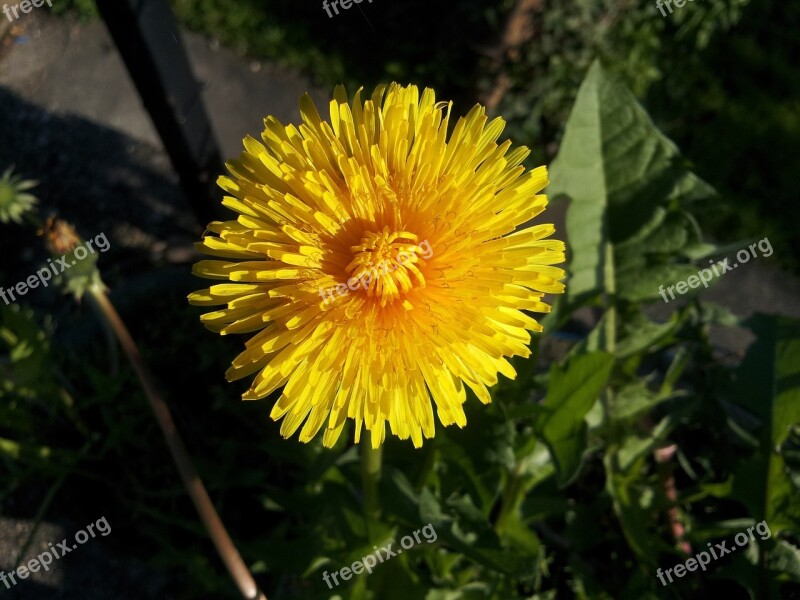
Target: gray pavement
x=63 y=65
x=91 y=571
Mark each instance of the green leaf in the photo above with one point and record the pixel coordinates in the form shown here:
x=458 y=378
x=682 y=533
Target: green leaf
x=621 y=174
x=644 y=334
x=669 y=237
x=477 y=541
x=633 y=503
x=768 y=385
x=467 y=534
x=645 y=283
x=635 y=400
x=472 y=591
x=635 y=447
x=785 y=559
x=573 y=390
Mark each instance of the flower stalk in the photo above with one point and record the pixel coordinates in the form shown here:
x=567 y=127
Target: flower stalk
x=191 y=480
x=371 y=466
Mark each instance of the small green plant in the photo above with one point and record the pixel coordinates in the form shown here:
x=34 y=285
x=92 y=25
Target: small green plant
x=15 y=202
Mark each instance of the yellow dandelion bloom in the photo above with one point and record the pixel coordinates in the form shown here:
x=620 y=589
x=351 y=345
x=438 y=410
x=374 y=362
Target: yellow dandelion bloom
x=381 y=262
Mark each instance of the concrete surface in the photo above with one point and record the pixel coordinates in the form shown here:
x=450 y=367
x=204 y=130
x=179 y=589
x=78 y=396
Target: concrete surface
x=63 y=65
x=83 y=574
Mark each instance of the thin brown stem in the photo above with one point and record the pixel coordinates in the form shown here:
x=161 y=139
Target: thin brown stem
x=191 y=480
x=663 y=458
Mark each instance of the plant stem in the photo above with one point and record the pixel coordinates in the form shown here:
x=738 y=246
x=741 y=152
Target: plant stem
x=663 y=458
x=428 y=463
x=371 y=459
x=611 y=298
x=191 y=480
x=510 y=498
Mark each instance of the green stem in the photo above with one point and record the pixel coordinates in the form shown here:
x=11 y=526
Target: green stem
x=611 y=320
x=371 y=460
x=428 y=463
x=510 y=498
x=611 y=298
x=33 y=220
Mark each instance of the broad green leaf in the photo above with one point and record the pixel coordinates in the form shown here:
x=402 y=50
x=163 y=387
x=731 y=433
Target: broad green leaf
x=573 y=390
x=768 y=385
x=621 y=174
x=670 y=236
x=391 y=580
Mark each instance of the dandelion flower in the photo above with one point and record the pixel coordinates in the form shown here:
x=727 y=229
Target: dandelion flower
x=381 y=264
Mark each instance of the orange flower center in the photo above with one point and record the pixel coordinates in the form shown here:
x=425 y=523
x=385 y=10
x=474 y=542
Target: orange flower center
x=387 y=263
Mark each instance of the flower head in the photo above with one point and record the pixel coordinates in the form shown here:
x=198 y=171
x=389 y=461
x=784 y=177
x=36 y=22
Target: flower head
x=14 y=201
x=381 y=263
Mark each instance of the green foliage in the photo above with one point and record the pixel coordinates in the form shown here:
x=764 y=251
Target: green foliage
x=364 y=45
x=629 y=188
x=744 y=122
x=572 y=391
x=630 y=195
x=766 y=386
